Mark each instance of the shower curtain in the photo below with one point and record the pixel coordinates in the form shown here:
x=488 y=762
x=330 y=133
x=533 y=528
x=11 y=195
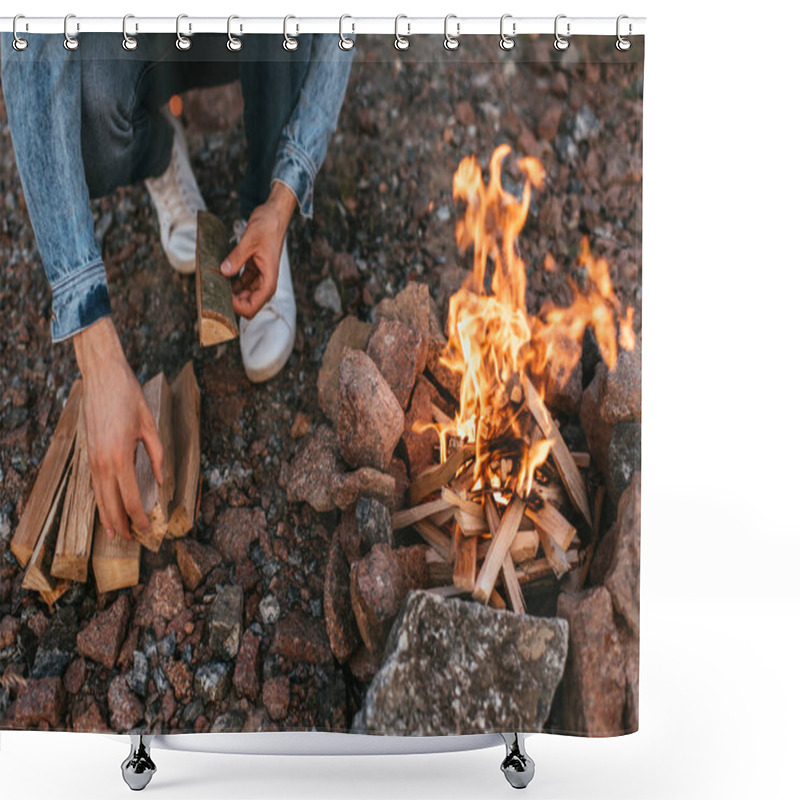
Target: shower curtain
x=321 y=385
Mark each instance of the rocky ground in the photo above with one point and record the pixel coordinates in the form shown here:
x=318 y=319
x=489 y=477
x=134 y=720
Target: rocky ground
x=173 y=654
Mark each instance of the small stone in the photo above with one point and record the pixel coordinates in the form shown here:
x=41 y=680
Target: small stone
x=9 y=629
x=585 y=124
x=162 y=598
x=139 y=673
x=370 y=419
x=180 y=678
x=195 y=561
x=299 y=637
x=365 y=664
x=192 y=711
x=102 y=638
x=549 y=121
x=246 y=674
x=376 y=592
x=125 y=709
x=398 y=351
x=415 y=306
x=326 y=296
x=89 y=719
x=560 y=84
x=347 y=487
x=465 y=113
x=75 y=676
x=212 y=681
x=621 y=391
x=420 y=440
x=594 y=680
x=373 y=523
x=275 y=696
x=345 y=268
x=312 y=471
x=56 y=645
x=269 y=609
x=301 y=426
x=229 y=722
x=350 y=333
x=236 y=529
x=40 y=701
x=340 y=622
x=224 y=623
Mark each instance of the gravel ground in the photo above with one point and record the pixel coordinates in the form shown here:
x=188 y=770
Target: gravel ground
x=383 y=216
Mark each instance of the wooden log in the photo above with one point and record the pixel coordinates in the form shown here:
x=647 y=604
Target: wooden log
x=555 y=555
x=115 y=561
x=186 y=440
x=513 y=589
x=433 y=479
x=74 y=543
x=215 y=316
x=466 y=563
x=155 y=498
x=441 y=518
x=37 y=574
x=48 y=481
x=468 y=506
x=501 y=543
x=471 y=525
x=548 y=519
x=524 y=547
x=567 y=469
x=408 y=516
x=582 y=460
x=438 y=540
x=539 y=569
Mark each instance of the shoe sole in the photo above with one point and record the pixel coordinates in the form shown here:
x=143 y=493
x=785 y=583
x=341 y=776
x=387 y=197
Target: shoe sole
x=263 y=375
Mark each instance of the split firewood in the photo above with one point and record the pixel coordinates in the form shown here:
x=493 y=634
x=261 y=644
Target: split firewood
x=186 y=437
x=470 y=524
x=37 y=574
x=573 y=481
x=438 y=540
x=409 y=516
x=524 y=547
x=582 y=460
x=501 y=543
x=155 y=498
x=513 y=589
x=442 y=517
x=74 y=543
x=547 y=519
x=555 y=555
x=466 y=562
x=215 y=316
x=433 y=479
x=540 y=570
x=455 y=499
x=115 y=561
x=49 y=480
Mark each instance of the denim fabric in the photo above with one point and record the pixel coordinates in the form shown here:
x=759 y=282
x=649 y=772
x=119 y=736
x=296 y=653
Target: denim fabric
x=84 y=122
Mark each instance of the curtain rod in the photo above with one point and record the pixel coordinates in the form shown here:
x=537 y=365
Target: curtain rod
x=457 y=26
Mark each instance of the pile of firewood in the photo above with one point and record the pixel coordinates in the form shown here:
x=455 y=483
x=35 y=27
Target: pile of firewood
x=60 y=532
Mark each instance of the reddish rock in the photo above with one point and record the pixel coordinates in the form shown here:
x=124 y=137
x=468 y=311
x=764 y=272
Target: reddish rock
x=180 y=678
x=347 y=487
x=299 y=637
x=224 y=622
x=75 y=676
x=275 y=696
x=598 y=432
x=168 y=706
x=102 y=638
x=370 y=419
x=162 y=598
x=413 y=566
x=246 y=674
x=340 y=621
x=125 y=657
x=377 y=589
x=415 y=306
x=549 y=121
x=236 y=529
x=88 y=719
x=563 y=391
x=621 y=389
x=397 y=470
x=313 y=469
x=9 y=628
x=195 y=561
x=345 y=268
x=465 y=113
x=594 y=685
x=365 y=664
x=350 y=333
x=398 y=351
x=421 y=441
x=40 y=701
x=125 y=709
x=560 y=84
x=301 y=426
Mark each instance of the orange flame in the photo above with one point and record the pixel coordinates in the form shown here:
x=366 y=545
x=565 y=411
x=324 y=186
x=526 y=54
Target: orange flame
x=494 y=344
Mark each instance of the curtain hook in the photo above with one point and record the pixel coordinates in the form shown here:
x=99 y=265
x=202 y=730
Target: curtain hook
x=401 y=42
x=70 y=42
x=623 y=44
x=506 y=41
x=451 y=42
x=128 y=42
x=561 y=43
x=19 y=44
x=182 y=42
x=234 y=44
x=289 y=42
x=346 y=43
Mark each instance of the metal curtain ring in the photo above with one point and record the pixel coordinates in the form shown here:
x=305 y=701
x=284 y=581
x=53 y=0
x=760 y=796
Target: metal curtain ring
x=128 y=42
x=70 y=42
x=234 y=44
x=451 y=42
x=561 y=43
x=289 y=43
x=19 y=44
x=182 y=42
x=623 y=44
x=346 y=43
x=401 y=42
x=506 y=42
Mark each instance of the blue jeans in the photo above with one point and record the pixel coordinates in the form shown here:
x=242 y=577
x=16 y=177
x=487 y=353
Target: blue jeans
x=85 y=122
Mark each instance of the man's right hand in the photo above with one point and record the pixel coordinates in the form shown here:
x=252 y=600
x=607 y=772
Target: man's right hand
x=117 y=418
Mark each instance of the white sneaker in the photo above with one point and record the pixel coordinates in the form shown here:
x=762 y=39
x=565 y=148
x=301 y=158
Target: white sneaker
x=267 y=339
x=177 y=199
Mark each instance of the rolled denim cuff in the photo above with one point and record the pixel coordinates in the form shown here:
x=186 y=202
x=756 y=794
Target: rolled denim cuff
x=79 y=300
x=295 y=169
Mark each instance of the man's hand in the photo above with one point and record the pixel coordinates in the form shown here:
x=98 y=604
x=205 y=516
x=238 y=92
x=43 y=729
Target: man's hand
x=259 y=252
x=117 y=418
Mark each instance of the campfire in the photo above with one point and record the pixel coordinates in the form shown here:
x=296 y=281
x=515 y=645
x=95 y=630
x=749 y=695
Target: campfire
x=507 y=498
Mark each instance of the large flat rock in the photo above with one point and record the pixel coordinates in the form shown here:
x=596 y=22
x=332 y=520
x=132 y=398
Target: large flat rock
x=456 y=667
